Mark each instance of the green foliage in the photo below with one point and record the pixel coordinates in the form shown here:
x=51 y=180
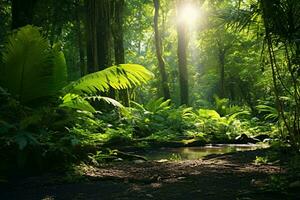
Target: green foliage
x=117 y=77
x=76 y=102
x=209 y=114
x=31 y=69
x=269 y=112
x=70 y=128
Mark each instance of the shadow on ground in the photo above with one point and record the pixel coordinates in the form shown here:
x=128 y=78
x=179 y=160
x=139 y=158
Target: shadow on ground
x=229 y=176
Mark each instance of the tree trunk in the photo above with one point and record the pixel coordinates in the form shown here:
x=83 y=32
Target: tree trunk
x=118 y=36
x=104 y=37
x=158 y=45
x=79 y=40
x=22 y=12
x=91 y=35
x=222 y=72
x=182 y=58
x=118 y=31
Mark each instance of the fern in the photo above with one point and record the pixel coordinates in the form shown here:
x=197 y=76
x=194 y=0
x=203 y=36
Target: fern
x=76 y=102
x=205 y=113
x=270 y=113
x=108 y=100
x=31 y=69
x=158 y=105
x=118 y=77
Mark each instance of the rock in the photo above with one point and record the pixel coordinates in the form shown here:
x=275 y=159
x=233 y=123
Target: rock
x=267 y=140
x=127 y=156
x=245 y=139
x=193 y=142
x=138 y=161
x=262 y=137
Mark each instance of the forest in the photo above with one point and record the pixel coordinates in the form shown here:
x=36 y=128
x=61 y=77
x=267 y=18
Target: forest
x=150 y=99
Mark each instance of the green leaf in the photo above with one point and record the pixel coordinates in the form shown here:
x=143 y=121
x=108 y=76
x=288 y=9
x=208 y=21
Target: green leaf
x=205 y=113
x=118 y=77
x=105 y=99
x=77 y=102
x=31 y=69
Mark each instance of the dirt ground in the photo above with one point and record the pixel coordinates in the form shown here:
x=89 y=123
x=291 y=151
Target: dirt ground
x=229 y=176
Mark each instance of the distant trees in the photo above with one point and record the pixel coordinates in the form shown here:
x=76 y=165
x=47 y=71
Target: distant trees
x=159 y=52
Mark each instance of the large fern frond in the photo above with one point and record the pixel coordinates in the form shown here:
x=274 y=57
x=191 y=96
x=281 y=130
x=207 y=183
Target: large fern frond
x=31 y=69
x=117 y=77
x=78 y=102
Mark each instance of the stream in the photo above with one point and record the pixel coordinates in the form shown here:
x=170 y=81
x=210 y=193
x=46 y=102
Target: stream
x=195 y=153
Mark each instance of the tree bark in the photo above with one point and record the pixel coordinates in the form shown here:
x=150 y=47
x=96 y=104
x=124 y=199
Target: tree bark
x=104 y=37
x=158 y=45
x=182 y=59
x=91 y=35
x=118 y=35
x=118 y=32
x=79 y=39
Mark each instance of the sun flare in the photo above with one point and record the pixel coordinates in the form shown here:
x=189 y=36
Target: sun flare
x=188 y=14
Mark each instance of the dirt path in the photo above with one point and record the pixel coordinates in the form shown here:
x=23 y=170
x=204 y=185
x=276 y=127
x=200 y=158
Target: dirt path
x=230 y=176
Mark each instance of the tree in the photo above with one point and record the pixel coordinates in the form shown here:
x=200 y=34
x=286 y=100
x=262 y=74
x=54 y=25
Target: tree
x=158 y=45
x=79 y=37
x=118 y=37
x=182 y=57
x=104 y=33
x=91 y=35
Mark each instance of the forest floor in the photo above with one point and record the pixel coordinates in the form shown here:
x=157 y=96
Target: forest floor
x=228 y=176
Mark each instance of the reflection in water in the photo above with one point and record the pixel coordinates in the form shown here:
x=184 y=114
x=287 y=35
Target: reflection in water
x=194 y=153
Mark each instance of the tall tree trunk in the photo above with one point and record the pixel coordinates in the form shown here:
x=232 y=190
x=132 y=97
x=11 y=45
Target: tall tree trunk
x=79 y=39
x=118 y=35
x=118 y=31
x=22 y=12
x=158 y=45
x=91 y=35
x=104 y=37
x=99 y=39
x=182 y=58
x=222 y=72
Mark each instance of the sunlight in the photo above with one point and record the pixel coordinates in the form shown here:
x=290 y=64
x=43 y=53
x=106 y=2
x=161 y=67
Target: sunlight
x=188 y=14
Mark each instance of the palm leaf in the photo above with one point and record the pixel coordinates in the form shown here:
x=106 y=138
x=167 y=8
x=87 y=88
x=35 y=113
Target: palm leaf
x=117 y=77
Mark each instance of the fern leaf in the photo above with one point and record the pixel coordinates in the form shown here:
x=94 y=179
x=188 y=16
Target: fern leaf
x=118 y=77
x=105 y=99
x=30 y=68
x=77 y=102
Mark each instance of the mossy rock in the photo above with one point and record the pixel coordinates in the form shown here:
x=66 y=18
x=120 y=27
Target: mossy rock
x=193 y=142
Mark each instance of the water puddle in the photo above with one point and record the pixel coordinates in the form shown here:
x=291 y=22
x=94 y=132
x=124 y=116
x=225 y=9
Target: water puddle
x=195 y=153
